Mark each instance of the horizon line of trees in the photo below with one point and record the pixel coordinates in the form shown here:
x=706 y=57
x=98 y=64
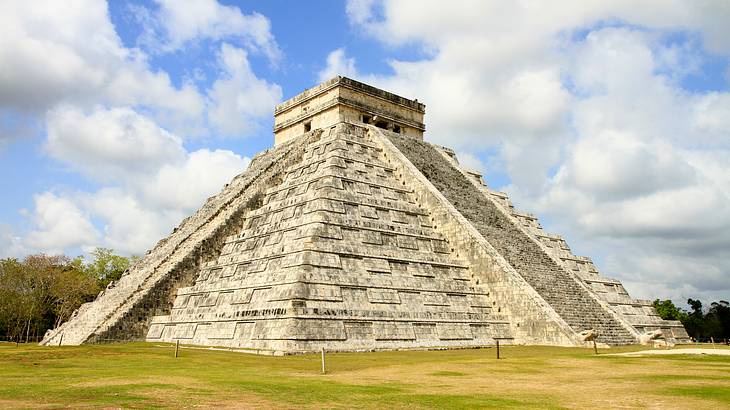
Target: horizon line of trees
x=701 y=324
x=42 y=291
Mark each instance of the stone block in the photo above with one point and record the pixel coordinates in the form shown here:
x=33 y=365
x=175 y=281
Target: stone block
x=241 y=296
x=386 y=296
x=425 y=331
x=454 y=331
x=184 y=330
x=299 y=329
x=393 y=331
x=359 y=331
x=435 y=299
x=376 y=265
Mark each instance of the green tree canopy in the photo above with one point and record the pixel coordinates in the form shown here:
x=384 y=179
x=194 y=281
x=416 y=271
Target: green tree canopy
x=668 y=311
x=42 y=291
x=106 y=266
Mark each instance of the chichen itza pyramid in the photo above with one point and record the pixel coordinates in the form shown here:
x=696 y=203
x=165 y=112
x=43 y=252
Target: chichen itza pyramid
x=353 y=233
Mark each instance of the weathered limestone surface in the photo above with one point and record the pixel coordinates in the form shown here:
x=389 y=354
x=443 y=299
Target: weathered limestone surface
x=123 y=310
x=341 y=254
x=341 y=99
x=533 y=321
x=557 y=287
x=354 y=234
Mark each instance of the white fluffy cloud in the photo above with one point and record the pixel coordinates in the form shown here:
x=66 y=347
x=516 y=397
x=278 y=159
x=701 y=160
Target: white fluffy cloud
x=522 y=26
x=53 y=52
x=585 y=104
x=338 y=64
x=176 y=24
x=155 y=181
x=238 y=99
x=495 y=70
x=607 y=164
x=11 y=245
x=202 y=174
x=110 y=144
x=121 y=122
x=69 y=53
x=710 y=118
x=131 y=226
x=60 y=224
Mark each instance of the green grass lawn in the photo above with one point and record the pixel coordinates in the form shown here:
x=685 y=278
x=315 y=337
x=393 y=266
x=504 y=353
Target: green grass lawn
x=146 y=375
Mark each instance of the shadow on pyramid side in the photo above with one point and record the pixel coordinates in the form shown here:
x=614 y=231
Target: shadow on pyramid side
x=357 y=235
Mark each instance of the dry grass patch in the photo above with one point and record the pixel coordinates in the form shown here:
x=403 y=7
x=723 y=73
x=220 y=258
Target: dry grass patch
x=144 y=376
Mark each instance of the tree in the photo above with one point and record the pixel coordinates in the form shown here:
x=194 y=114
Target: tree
x=696 y=307
x=40 y=292
x=695 y=322
x=720 y=315
x=25 y=289
x=14 y=306
x=72 y=287
x=106 y=266
x=699 y=324
x=668 y=311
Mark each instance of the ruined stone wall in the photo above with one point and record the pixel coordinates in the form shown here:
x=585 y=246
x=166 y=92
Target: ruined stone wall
x=355 y=116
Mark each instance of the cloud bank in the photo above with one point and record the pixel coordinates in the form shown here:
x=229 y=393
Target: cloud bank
x=588 y=109
x=110 y=116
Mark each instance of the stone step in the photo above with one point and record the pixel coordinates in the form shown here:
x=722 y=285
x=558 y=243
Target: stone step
x=570 y=300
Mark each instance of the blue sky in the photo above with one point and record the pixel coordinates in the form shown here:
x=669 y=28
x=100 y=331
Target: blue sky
x=609 y=121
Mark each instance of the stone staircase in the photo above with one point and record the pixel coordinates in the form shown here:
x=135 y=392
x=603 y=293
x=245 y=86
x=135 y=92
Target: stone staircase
x=123 y=311
x=555 y=285
x=638 y=313
x=340 y=255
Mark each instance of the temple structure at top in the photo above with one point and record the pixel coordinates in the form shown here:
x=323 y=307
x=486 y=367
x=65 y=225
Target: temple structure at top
x=343 y=99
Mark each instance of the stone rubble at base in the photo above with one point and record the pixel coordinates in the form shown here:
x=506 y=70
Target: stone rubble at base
x=358 y=235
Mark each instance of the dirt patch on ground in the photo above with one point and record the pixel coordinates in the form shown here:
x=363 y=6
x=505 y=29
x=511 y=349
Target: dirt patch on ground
x=23 y=404
x=172 y=380
x=574 y=382
x=223 y=401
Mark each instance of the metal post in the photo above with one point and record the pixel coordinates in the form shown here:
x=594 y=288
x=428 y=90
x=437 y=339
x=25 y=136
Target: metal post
x=324 y=369
x=712 y=339
x=497 y=348
x=595 y=348
x=177 y=347
x=60 y=341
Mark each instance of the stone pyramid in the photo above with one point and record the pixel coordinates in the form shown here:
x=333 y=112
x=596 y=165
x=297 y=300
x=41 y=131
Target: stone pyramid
x=352 y=233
